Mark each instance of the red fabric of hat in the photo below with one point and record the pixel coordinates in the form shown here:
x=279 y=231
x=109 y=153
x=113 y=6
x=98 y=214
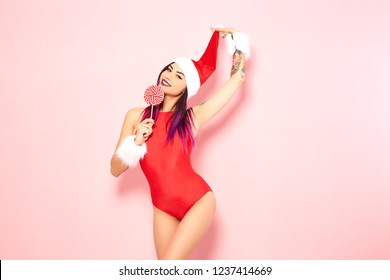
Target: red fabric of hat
x=197 y=72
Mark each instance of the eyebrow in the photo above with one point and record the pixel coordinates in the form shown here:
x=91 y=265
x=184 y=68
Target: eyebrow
x=170 y=66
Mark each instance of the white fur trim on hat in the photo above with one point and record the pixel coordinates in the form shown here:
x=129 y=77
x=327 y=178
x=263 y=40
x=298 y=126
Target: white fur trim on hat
x=129 y=152
x=190 y=73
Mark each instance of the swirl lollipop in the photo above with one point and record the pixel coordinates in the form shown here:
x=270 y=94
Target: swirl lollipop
x=153 y=95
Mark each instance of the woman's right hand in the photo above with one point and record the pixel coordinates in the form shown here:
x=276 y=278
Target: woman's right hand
x=143 y=130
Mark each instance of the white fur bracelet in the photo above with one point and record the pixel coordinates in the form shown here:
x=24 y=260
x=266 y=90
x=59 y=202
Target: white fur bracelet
x=238 y=41
x=129 y=152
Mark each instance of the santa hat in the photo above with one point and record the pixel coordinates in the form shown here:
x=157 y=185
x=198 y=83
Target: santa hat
x=197 y=72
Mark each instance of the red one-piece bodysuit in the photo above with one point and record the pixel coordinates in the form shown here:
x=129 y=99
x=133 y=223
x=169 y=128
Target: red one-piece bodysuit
x=174 y=185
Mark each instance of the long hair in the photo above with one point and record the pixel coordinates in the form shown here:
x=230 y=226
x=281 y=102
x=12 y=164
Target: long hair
x=181 y=121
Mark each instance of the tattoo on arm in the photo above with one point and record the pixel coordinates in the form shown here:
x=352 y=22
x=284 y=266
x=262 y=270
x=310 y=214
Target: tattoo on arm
x=242 y=72
x=236 y=62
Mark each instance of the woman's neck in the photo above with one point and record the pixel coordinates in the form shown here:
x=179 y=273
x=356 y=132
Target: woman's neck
x=168 y=104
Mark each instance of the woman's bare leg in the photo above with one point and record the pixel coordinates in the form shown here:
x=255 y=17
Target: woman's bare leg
x=164 y=226
x=191 y=229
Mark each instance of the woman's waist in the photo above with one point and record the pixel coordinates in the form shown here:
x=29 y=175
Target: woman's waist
x=166 y=170
x=176 y=184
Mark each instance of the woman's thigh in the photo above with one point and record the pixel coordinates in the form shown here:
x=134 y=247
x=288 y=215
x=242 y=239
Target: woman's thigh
x=192 y=228
x=164 y=226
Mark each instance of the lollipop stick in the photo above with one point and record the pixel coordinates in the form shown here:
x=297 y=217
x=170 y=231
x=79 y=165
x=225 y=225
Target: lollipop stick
x=151 y=112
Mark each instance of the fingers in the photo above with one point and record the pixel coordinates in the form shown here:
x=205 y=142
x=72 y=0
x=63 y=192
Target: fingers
x=147 y=126
x=225 y=30
x=144 y=130
x=147 y=121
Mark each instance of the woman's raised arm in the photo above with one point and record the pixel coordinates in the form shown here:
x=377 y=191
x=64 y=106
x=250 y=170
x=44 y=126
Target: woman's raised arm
x=208 y=109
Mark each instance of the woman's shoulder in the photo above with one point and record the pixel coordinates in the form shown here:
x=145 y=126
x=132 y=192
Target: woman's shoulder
x=135 y=114
x=136 y=110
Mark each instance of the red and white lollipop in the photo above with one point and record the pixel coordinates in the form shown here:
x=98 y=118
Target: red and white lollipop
x=153 y=95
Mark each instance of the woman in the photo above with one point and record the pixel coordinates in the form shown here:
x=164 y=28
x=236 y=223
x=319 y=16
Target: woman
x=184 y=204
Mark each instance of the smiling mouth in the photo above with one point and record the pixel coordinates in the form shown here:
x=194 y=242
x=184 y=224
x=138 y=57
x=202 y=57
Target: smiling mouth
x=165 y=83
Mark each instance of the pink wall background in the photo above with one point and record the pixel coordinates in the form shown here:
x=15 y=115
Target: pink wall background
x=299 y=160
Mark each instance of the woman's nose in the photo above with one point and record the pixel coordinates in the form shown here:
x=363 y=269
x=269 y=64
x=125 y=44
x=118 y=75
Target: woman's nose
x=169 y=76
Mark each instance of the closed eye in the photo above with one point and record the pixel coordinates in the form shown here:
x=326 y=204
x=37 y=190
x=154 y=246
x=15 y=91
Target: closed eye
x=179 y=75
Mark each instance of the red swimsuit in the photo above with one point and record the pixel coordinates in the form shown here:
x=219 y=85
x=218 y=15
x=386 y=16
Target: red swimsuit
x=174 y=185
